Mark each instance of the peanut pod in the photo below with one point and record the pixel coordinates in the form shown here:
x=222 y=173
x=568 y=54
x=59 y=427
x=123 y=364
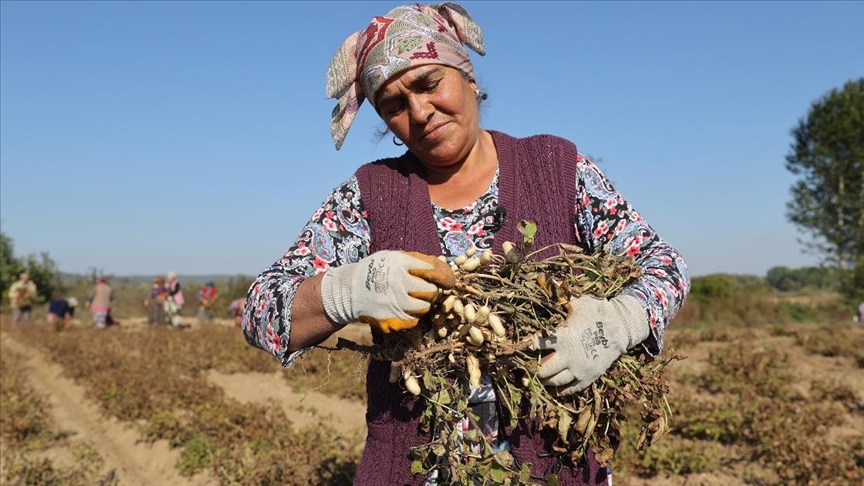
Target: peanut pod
x=473 y=365
x=447 y=306
x=411 y=383
x=395 y=372
x=459 y=308
x=471 y=264
x=496 y=325
x=470 y=313
x=476 y=335
x=510 y=252
x=483 y=313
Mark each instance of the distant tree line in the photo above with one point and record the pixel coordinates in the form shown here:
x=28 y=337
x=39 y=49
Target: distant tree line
x=787 y=279
x=784 y=279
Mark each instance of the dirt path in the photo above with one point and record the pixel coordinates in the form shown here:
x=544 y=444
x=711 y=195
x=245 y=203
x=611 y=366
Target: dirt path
x=134 y=463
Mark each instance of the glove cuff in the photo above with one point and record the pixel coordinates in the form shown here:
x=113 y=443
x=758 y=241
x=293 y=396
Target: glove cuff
x=336 y=296
x=634 y=319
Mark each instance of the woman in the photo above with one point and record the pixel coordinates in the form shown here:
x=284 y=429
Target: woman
x=61 y=312
x=156 y=301
x=367 y=253
x=174 y=301
x=208 y=295
x=100 y=303
x=22 y=293
x=236 y=307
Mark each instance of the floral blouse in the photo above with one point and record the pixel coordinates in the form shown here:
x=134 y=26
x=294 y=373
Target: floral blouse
x=338 y=233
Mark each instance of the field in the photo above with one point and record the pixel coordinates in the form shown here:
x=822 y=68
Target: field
x=770 y=403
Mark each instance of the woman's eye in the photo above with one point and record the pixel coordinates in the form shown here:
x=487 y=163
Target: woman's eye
x=432 y=86
x=393 y=109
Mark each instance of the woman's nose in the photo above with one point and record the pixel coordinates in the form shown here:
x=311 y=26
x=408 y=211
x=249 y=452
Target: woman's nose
x=420 y=108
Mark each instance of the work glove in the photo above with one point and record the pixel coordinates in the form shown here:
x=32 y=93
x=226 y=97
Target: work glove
x=389 y=290
x=596 y=333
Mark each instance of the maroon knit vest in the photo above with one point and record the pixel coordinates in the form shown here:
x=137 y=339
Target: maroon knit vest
x=537 y=182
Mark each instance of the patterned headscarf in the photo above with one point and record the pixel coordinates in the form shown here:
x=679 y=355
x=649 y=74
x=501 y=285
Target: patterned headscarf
x=407 y=36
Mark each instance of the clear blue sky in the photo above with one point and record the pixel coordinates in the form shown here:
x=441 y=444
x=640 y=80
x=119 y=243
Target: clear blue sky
x=140 y=137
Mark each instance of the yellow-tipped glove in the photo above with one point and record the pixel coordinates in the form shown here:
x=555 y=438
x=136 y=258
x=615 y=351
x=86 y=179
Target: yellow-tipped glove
x=596 y=333
x=389 y=290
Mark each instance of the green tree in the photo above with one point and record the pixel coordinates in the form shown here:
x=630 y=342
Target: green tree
x=828 y=199
x=10 y=267
x=42 y=269
x=43 y=272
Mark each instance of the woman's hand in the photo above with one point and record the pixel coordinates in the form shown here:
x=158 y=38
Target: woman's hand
x=596 y=333
x=389 y=290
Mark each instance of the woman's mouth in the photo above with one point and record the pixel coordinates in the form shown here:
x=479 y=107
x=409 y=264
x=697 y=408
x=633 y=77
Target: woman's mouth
x=434 y=133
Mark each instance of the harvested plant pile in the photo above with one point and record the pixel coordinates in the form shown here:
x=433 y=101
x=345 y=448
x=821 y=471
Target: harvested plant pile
x=485 y=326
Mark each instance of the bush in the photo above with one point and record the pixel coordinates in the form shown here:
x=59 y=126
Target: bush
x=711 y=287
x=787 y=279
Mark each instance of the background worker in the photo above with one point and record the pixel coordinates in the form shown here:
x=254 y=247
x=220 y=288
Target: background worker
x=207 y=297
x=237 y=306
x=100 y=303
x=155 y=302
x=174 y=301
x=22 y=294
x=61 y=312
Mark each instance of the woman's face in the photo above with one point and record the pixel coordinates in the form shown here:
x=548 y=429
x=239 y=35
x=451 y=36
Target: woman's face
x=433 y=109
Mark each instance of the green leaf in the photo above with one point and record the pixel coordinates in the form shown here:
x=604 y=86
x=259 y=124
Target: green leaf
x=462 y=405
x=528 y=230
x=418 y=468
x=428 y=380
x=443 y=397
x=497 y=474
x=525 y=473
x=439 y=450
